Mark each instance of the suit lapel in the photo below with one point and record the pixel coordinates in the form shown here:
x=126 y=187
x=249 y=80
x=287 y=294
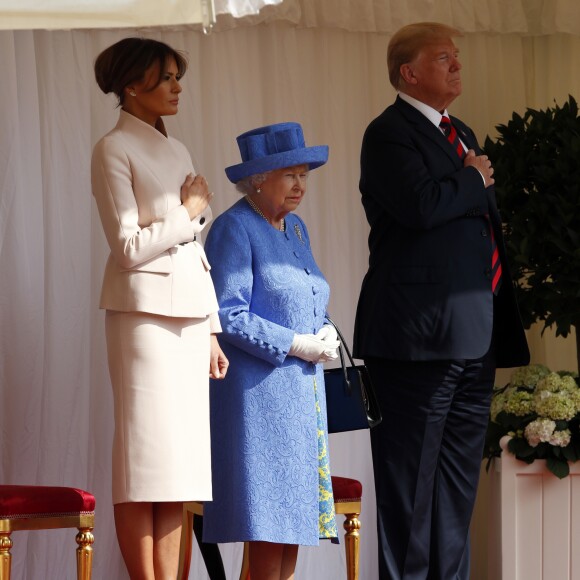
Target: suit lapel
x=424 y=126
x=465 y=134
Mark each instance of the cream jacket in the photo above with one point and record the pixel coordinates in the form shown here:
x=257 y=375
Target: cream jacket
x=137 y=173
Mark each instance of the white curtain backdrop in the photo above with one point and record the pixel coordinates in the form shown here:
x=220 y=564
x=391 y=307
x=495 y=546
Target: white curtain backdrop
x=56 y=419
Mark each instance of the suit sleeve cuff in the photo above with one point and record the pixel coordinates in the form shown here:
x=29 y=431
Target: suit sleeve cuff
x=199 y=222
x=215 y=326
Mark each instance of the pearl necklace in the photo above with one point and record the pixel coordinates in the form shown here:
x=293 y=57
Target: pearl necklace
x=259 y=212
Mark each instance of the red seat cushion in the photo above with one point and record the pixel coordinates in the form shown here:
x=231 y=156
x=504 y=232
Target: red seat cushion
x=345 y=489
x=17 y=501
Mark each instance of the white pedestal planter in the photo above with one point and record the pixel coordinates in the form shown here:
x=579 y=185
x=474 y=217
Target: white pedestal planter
x=534 y=531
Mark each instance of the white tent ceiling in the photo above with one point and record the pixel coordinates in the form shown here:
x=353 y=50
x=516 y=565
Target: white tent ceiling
x=524 y=17
x=76 y=14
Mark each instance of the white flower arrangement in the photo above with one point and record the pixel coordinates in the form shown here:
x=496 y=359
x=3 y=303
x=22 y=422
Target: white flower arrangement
x=540 y=411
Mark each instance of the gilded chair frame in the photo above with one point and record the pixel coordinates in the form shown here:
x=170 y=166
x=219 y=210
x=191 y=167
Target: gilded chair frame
x=84 y=522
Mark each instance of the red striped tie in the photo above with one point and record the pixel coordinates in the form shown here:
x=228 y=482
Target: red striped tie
x=495 y=263
x=451 y=134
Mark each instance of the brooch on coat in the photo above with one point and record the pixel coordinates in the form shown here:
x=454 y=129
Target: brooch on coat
x=298 y=232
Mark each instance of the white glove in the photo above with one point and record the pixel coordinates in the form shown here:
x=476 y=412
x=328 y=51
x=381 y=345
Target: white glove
x=327 y=333
x=329 y=336
x=310 y=348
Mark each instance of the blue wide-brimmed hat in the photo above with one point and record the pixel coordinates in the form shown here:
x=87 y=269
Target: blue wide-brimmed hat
x=274 y=147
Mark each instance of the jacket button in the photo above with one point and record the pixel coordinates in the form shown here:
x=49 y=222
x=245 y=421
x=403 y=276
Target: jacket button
x=484 y=233
x=487 y=273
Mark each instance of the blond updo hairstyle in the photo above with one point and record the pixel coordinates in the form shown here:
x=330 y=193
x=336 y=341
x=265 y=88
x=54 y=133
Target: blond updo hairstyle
x=126 y=62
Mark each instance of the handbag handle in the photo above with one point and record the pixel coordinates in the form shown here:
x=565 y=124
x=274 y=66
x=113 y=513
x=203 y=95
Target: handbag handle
x=369 y=396
x=340 y=352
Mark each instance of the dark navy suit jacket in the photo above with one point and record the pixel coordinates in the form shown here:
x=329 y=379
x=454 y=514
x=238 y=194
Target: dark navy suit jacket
x=427 y=294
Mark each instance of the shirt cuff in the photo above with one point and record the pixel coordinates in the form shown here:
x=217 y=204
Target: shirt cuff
x=483 y=178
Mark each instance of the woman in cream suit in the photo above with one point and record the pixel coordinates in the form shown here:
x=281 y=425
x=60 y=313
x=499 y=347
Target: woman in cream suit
x=161 y=307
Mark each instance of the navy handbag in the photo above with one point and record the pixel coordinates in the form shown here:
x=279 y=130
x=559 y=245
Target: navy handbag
x=351 y=401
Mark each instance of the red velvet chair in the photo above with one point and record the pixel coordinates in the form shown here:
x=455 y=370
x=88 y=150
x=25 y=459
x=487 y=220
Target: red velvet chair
x=32 y=507
x=347 y=501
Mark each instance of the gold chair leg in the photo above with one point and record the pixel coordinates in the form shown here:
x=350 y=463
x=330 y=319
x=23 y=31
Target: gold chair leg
x=186 y=540
x=351 y=545
x=245 y=573
x=5 y=556
x=85 y=541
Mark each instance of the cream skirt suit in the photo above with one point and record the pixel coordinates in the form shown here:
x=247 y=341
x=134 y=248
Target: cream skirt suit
x=161 y=308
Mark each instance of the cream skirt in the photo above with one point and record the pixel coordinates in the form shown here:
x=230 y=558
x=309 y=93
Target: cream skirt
x=159 y=369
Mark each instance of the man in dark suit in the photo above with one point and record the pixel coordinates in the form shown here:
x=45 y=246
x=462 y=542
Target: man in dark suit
x=437 y=312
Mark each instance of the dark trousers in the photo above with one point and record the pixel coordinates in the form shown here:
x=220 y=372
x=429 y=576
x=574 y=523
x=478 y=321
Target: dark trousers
x=427 y=454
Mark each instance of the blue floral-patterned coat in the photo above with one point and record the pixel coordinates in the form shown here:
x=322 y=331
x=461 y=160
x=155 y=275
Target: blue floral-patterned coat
x=263 y=415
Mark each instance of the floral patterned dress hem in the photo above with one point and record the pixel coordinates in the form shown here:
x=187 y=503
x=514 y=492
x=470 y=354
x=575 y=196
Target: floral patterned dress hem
x=326 y=519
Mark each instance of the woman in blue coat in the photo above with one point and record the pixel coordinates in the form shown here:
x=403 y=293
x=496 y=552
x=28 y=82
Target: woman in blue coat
x=270 y=469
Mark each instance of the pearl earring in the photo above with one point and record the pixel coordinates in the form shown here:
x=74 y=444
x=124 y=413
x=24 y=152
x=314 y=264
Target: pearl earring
x=133 y=93
x=259 y=190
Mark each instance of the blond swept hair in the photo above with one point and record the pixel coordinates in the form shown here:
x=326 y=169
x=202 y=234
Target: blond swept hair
x=406 y=43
